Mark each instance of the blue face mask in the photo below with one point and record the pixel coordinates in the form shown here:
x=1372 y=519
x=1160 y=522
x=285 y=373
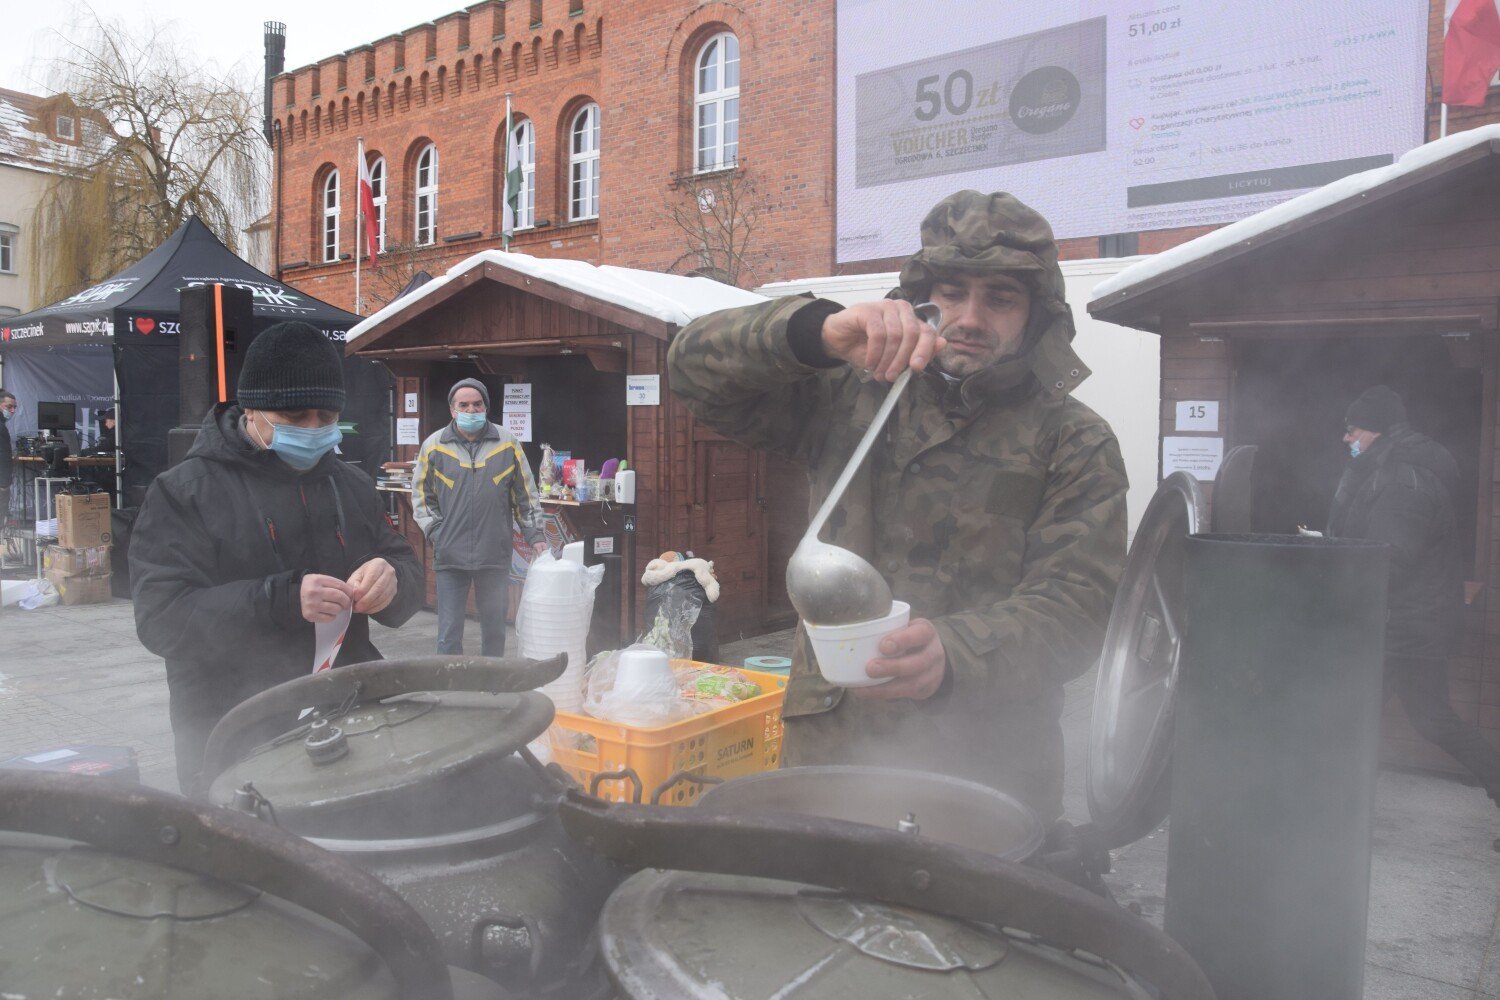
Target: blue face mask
x=472 y=423
x=302 y=447
x=1353 y=449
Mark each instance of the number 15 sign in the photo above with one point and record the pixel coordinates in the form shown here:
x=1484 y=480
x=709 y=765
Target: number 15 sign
x=1198 y=415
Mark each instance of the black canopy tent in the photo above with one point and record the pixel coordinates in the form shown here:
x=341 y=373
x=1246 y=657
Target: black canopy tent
x=115 y=344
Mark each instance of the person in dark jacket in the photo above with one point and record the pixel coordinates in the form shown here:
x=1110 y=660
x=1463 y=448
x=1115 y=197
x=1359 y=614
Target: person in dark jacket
x=104 y=444
x=103 y=447
x=471 y=489
x=7 y=465
x=1399 y=489
x=259 y=533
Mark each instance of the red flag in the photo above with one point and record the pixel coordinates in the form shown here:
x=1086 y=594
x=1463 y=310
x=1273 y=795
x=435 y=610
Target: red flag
x=367 y=204
x=1471 y=52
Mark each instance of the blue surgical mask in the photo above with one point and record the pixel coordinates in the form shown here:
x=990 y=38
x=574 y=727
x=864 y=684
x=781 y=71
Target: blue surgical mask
x=1353 y=449
x=302 y=447
x=472 y=423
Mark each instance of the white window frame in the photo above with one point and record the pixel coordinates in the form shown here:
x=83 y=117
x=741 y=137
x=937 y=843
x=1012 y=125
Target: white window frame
x=378 y=190
x=72 y=132
x=720 y=101
x=426 y=197
x=330 y=200
x=9 y=241
x=583 y=164
x=526 y=203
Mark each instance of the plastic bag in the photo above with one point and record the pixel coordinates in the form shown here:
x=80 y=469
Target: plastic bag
x=38 y=594
x=658 y=709
x=671 y=629
x=716 y=685
x=546 y=472
x=684 y=599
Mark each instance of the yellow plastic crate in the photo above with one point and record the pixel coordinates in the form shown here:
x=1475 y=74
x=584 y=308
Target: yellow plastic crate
x=739 y=739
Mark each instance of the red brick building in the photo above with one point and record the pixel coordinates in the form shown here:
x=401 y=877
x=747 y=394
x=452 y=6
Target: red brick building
x=577 y=77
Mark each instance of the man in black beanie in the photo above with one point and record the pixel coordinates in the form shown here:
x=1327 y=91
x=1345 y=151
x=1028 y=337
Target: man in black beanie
x=257 y=535
x=1399 y=489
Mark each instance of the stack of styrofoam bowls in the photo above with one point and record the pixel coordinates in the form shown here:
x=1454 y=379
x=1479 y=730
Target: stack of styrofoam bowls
x=554 y=618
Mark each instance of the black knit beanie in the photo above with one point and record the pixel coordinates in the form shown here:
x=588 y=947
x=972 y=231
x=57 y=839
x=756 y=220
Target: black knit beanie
x=1376 y=409
x=292 y=366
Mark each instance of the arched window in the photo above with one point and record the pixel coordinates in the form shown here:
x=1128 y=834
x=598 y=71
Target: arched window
x=716 y=104
x=331 y=217
x=427 y=197
x=583 y=164
x=524 y=141
x=377 y=191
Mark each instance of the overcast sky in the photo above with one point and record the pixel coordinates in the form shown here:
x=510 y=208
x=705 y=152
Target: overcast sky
x=226 y=33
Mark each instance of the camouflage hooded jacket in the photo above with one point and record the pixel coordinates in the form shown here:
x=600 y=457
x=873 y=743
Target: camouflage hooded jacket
x=994 y=506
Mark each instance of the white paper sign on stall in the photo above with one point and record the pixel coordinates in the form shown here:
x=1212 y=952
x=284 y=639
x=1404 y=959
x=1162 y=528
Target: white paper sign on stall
x=411 y=403
x=408 y=430
x=1197 y=456
x=1198 y=415
x=519 y=424
x=517 y=398
x=642 y=390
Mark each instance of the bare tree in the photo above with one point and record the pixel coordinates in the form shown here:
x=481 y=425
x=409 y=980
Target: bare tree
x=718 y=215
x=160 y=139
x=392 y=271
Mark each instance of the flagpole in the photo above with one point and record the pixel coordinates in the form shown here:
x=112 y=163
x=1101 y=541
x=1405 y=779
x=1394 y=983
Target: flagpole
x=1443 y=121
x=359 y=218
x=505 y=181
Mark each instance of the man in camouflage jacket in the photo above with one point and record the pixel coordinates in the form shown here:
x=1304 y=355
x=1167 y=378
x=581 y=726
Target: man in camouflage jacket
x=994 y=503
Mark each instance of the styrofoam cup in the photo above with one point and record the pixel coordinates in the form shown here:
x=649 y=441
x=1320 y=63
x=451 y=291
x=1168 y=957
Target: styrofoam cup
x=644 y=673
x=843 y=651
x=553 y=578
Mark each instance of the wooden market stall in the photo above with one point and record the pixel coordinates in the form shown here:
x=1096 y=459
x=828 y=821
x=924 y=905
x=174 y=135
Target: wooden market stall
x=1278 y=321
x=576 y=334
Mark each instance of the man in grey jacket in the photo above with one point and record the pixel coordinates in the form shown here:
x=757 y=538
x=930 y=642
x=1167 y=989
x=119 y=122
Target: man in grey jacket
x=472 y=484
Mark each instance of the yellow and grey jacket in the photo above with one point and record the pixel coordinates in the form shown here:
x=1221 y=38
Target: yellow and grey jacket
x=467 y=495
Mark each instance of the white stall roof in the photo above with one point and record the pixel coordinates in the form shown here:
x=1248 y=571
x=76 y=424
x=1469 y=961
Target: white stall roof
x=1262 y=227
x=670 y=298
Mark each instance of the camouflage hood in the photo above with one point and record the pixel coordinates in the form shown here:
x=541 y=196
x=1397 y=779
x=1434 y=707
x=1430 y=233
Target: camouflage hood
x=973 y=233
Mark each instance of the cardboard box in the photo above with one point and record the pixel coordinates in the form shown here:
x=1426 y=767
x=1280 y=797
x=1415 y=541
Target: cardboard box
x=83 y=520
x=80 y=589
x=77 y=562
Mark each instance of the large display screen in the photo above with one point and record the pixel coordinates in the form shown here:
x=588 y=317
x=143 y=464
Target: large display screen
x=1114 y=117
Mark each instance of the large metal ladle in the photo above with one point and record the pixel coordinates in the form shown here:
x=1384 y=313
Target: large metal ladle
x=829 y=585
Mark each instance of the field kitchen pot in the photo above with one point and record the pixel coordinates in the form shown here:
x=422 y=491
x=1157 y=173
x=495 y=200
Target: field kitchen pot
x=130 y=892
x=416 y=771
x=863 y=881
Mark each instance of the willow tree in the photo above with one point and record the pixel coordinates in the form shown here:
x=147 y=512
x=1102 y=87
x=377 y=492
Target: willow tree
x=161 y=139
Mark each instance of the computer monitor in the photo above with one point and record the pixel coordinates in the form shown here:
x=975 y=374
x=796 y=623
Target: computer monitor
x=56 y=416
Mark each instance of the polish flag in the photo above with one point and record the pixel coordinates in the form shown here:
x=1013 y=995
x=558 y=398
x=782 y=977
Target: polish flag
x=1471 y=52
x=367 y=203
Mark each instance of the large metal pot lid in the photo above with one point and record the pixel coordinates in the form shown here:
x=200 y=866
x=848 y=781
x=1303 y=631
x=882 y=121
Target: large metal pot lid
x=377 y=751
x=1131 y=735
x=83 y=922
x=667 y=935
x=935 y=806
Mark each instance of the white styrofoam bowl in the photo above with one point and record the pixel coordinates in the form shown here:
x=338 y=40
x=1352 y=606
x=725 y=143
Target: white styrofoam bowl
x=843 y=651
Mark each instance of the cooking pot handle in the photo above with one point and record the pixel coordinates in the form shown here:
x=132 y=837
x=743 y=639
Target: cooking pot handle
x=365 y=682
x=165 y=829
x=888 y=866
x=629 y=772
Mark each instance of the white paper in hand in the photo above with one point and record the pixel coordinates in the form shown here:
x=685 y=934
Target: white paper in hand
x=329 y=640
